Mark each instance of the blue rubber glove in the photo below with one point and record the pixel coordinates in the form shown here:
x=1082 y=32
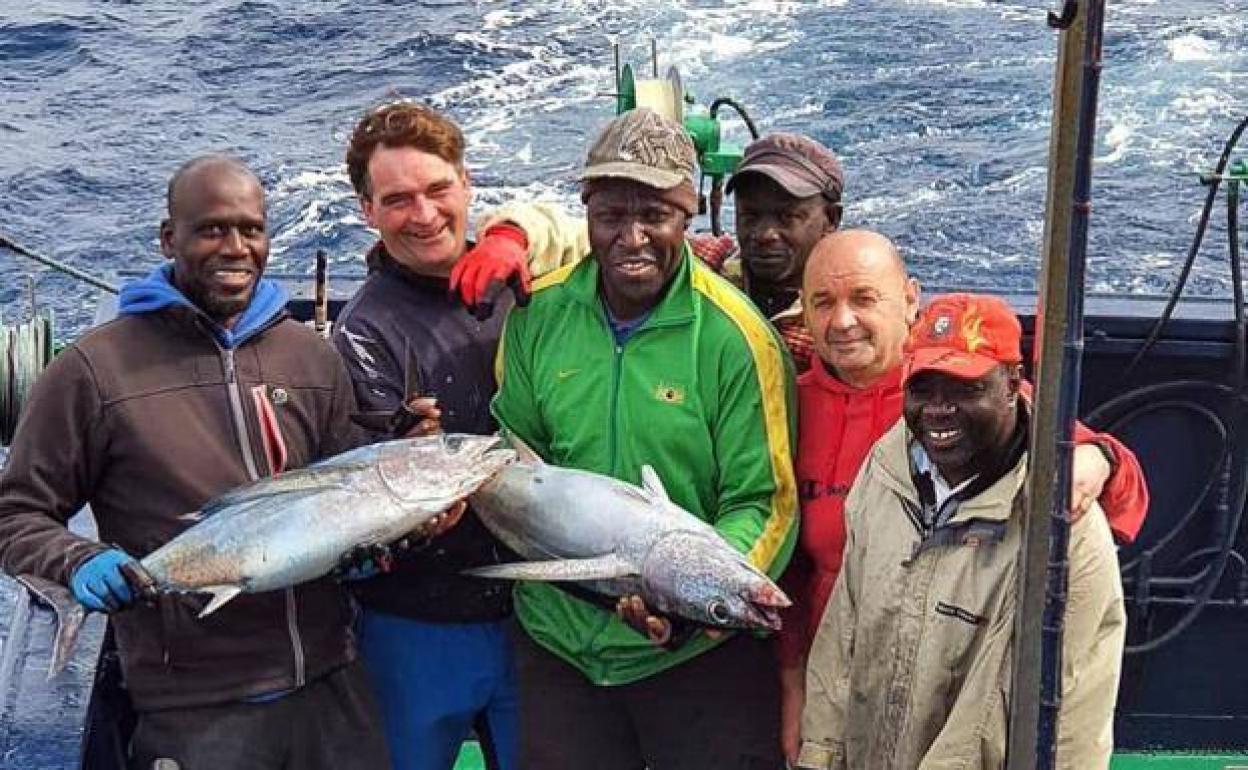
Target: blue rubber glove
x=98 y=583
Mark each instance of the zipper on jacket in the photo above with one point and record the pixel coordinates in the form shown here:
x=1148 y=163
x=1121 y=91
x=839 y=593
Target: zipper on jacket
x=296 y=641
x=240 y=419
x=612 y=433
x=249 y=460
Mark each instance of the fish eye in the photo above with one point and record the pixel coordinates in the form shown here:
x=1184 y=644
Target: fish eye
x=718 y=611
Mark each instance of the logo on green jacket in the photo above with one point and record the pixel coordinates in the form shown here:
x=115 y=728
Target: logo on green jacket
x=669 y=394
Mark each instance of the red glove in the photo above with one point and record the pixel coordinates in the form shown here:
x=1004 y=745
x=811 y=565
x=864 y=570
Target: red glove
x=499 y=260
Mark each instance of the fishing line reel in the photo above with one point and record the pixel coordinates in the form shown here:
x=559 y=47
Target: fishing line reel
x=26 y=349
x=667 y=96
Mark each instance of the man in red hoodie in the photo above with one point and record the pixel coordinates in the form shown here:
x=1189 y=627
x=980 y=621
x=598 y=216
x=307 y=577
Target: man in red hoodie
x=859 y=303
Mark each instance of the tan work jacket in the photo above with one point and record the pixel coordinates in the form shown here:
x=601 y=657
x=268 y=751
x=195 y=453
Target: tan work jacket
x=910 y=667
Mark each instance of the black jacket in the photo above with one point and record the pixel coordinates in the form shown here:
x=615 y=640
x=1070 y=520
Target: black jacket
x=397 y=315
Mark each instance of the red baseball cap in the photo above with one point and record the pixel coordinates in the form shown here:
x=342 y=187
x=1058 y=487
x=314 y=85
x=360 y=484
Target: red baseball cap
x=964 y=336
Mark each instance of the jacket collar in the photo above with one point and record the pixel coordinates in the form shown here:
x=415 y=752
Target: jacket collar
x=675 y=307
x=820 y=375
x=156 y=293
x=384 y=263
x=892 y=453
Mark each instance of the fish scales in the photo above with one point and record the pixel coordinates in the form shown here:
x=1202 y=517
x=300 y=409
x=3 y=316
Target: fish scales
x=617 y=539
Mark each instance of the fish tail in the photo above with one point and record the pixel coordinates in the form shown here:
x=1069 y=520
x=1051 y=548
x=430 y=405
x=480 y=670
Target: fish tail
x=69 y=617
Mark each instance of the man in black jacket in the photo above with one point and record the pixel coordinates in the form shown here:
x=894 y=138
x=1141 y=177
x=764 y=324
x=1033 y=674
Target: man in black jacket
x=433 y=639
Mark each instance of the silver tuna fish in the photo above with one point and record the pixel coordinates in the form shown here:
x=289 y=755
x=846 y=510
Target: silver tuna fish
x=621 y=539
x=296 y=527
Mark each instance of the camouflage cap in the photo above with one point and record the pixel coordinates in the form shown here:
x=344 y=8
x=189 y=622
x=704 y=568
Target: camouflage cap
x=645 y=147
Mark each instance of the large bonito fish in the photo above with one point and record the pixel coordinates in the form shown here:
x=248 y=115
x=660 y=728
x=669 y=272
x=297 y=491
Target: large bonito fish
x=296 y=527
x=620 y=539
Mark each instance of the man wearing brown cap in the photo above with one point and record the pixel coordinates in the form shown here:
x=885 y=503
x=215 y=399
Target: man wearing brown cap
x=788 y=196
x=641 y=334
x=923 y=612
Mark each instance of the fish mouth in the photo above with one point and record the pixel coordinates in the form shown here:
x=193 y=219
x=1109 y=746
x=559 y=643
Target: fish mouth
x=763 y=604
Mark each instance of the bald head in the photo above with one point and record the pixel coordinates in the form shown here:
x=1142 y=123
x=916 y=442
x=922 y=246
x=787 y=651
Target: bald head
x=859 y=304
x=216 y=234
x=195 y=169
x=864 y=249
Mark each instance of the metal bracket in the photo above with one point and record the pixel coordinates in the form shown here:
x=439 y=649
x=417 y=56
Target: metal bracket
x=1070 y=9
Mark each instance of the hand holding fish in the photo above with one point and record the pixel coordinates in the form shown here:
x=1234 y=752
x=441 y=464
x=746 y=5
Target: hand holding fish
x=633 y=611
x=443 y=522
x=426 y=417
x=367 y=561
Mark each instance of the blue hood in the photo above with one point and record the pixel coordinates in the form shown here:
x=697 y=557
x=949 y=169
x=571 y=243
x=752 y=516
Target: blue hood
x=156 y=292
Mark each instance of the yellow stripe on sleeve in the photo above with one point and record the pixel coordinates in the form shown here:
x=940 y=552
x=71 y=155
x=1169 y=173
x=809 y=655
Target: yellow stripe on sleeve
x=769 y=364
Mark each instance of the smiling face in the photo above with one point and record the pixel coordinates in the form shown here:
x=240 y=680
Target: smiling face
x=637 y=238
x=777 y=231
x=418 y=202
x=963 y=425
x=216 y=236
x=859 y=304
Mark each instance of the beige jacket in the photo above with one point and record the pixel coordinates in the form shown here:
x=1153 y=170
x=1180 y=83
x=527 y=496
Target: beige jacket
x=910 y=667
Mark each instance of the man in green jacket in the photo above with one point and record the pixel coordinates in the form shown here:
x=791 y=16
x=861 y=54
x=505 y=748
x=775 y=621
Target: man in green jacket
x=642 y=355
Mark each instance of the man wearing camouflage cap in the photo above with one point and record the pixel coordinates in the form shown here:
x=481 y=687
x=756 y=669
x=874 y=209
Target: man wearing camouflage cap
x=642 y=334
x=787 y=194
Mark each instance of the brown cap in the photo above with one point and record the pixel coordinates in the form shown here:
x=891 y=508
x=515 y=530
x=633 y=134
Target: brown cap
x=799 y=164
x=645 y=147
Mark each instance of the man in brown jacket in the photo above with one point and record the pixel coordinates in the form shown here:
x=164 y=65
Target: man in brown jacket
x=910 y=666
x=201 y=384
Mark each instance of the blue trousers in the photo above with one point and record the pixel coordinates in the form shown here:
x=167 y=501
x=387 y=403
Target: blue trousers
x=437 y=683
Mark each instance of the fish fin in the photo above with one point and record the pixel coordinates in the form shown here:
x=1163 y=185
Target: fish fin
x=596 y=568
x=524 y=452
x=298 y=482
x=220 y=596
x=651 y=482
x=69 y=617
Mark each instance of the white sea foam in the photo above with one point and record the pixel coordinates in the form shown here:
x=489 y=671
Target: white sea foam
x=1192 y=47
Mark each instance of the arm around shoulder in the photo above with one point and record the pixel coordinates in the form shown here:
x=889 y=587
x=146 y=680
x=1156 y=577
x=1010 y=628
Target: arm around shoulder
x=555 y=238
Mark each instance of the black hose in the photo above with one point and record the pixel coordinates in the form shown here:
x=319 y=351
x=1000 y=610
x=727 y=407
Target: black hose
x=1147 y=398
x=1185 y=272
x=1230 y=514
x=745 y=117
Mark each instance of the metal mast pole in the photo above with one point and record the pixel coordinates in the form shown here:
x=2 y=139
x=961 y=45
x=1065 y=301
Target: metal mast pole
x=1036 y=676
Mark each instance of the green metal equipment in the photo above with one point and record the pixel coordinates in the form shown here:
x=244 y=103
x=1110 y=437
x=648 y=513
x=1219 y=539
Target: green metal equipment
x=668 y=97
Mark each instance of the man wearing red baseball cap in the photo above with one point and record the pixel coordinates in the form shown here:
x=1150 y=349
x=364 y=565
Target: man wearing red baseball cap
x=933 y=627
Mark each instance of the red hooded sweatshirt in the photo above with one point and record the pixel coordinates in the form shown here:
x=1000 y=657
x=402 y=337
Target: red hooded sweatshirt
x=837 y=426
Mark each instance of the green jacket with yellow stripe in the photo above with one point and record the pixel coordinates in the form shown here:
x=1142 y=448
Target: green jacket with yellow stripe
x=703 y=392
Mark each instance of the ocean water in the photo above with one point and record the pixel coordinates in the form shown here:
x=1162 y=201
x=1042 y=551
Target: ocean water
x=939 y=108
